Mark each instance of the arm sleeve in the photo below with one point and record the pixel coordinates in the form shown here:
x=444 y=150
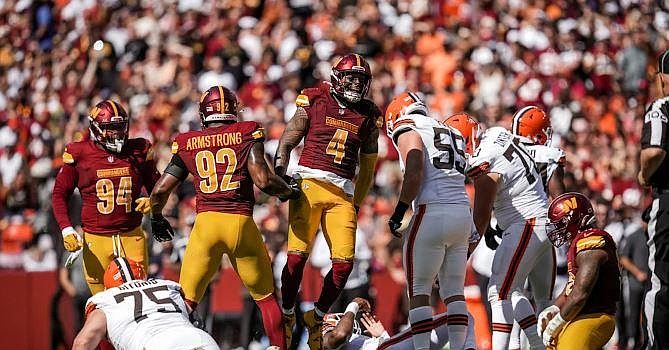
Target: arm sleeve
x=66 y=181
x=177 y=168
x=654 y=132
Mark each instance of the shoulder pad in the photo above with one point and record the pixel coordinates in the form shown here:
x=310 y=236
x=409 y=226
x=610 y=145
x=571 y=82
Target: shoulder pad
x=590 y=239
x=177 y=143
x=71 y=152
x=255 y=129
x=307 y=96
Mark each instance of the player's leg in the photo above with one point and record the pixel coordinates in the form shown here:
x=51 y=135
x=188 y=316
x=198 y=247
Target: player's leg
x=424 y=252
x=587 y=332
x=656 y=303
x=542 y=277
x=203 y=254
x=457 y=226
x=251 y=261
x=97 y=254
x=133 y=246
x=509 y=271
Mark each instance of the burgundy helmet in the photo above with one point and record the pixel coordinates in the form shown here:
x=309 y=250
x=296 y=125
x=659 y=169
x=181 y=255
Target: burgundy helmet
x=218 y=104
x=569 y=213
x=109 y=125
x=351 y=77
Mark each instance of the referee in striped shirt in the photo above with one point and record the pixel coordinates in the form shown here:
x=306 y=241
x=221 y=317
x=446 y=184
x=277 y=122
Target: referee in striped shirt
x=654 y=172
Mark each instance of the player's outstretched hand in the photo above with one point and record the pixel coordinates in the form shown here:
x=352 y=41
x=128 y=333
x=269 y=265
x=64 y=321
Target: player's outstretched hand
x=143 y=205
x=161 y=228
x=372 y=325
x=295 y=190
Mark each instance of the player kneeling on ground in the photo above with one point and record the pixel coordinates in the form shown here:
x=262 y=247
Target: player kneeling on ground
x=135 y=313
x=582 y=317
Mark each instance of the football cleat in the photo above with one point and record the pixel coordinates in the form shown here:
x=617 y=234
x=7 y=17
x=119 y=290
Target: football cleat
x=109 y=124
x=351 y=78
x=533 y=123
x=314 y=326
x=289 y=324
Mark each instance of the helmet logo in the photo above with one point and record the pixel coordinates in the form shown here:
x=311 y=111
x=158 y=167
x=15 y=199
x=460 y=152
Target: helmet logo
x=95 y=112
x=569 y=205
x=204 y=95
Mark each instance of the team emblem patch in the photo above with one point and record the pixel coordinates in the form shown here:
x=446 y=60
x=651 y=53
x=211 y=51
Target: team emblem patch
x=110 y=159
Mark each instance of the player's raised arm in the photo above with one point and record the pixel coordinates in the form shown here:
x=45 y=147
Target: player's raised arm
x=264 y=178
x=295 y=130
x=368 y=153
x=93 y=332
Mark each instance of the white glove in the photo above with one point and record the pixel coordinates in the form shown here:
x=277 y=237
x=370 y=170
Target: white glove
x=72 y=258
x=544 y=316
x=71 y=239
x=553 y=328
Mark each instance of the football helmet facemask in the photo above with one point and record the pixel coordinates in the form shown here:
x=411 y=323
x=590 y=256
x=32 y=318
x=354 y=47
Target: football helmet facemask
x=109 y=123
x=533 y=123
x=351 y=78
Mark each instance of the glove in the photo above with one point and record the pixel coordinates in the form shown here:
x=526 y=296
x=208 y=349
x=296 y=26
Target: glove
x=71 y=239
x=196 y=320
x=161 y=228
x=295 y=190
x=489 y=236
x=72 y=258
x=143 y=205
x=553 y=328
x=395 y=221
x=544 y=316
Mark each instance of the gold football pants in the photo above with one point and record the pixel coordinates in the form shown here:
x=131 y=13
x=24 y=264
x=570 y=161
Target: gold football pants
x=100 y=250
x=586 y=332
x=215 y=234
x=324 y=204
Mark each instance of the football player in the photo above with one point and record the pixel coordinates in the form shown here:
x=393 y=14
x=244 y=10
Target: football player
x=438 y=238
x=582 y=317
x=340 y=129
x=110 y=170
x=349 y=331
x=136 y=313
x=225 y=158
x=533 y=127
x=505 y=177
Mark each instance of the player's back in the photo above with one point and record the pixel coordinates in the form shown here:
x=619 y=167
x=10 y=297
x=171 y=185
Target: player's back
x=547 y=159
x=335 y=132
x=444 y=160
x=139 y=310
x=606 y=291
x=520 y=195
x=216 y=157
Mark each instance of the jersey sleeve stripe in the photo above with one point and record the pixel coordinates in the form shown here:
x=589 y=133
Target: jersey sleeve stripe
x=68 y=158
x=175 y=147
x=590 y=243
x=479 y=170
x=656 y=131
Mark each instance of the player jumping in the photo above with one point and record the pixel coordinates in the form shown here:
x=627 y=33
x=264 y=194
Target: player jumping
x=339 y=127
x=225 y=158
x=110 y=170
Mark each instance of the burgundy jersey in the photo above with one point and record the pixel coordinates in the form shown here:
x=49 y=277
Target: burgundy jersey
x=606 y=291
x=335 y=132
x=109 y=184
x=216 y=156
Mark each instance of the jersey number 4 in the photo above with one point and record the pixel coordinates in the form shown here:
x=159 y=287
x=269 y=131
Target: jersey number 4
x=337 y=145
x=446 y=141
x=206 y=162
x=151 y=294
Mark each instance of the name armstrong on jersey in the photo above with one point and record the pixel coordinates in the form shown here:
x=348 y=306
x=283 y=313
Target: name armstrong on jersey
x=137 y=284
x=216 y=140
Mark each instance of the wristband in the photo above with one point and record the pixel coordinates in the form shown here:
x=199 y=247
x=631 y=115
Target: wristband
x=352 y=307
x=68 y=231
x=400 y=209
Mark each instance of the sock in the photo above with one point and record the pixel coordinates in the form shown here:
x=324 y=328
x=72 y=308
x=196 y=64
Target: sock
x=421 y=326
x=333 y=284
x=502 y=322
x=291 y=277
x=457 y=321
x=272 y=321
x=524 y=314
x=514 y=343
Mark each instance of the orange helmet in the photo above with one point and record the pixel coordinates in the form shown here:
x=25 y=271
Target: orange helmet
x=468 y=127
x=533 y=123
x=122 y=270
x=398 y=109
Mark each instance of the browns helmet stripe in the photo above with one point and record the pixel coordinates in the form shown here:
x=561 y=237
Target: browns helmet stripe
x=124 y=268
x=516 y=118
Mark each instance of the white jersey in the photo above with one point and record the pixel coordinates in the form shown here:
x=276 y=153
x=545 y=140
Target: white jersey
x=547 y=158
x=444 y=160
x=138 y=311
x=520 y=195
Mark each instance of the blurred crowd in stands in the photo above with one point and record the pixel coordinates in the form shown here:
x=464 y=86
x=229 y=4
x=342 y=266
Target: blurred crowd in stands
x=589 y=63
